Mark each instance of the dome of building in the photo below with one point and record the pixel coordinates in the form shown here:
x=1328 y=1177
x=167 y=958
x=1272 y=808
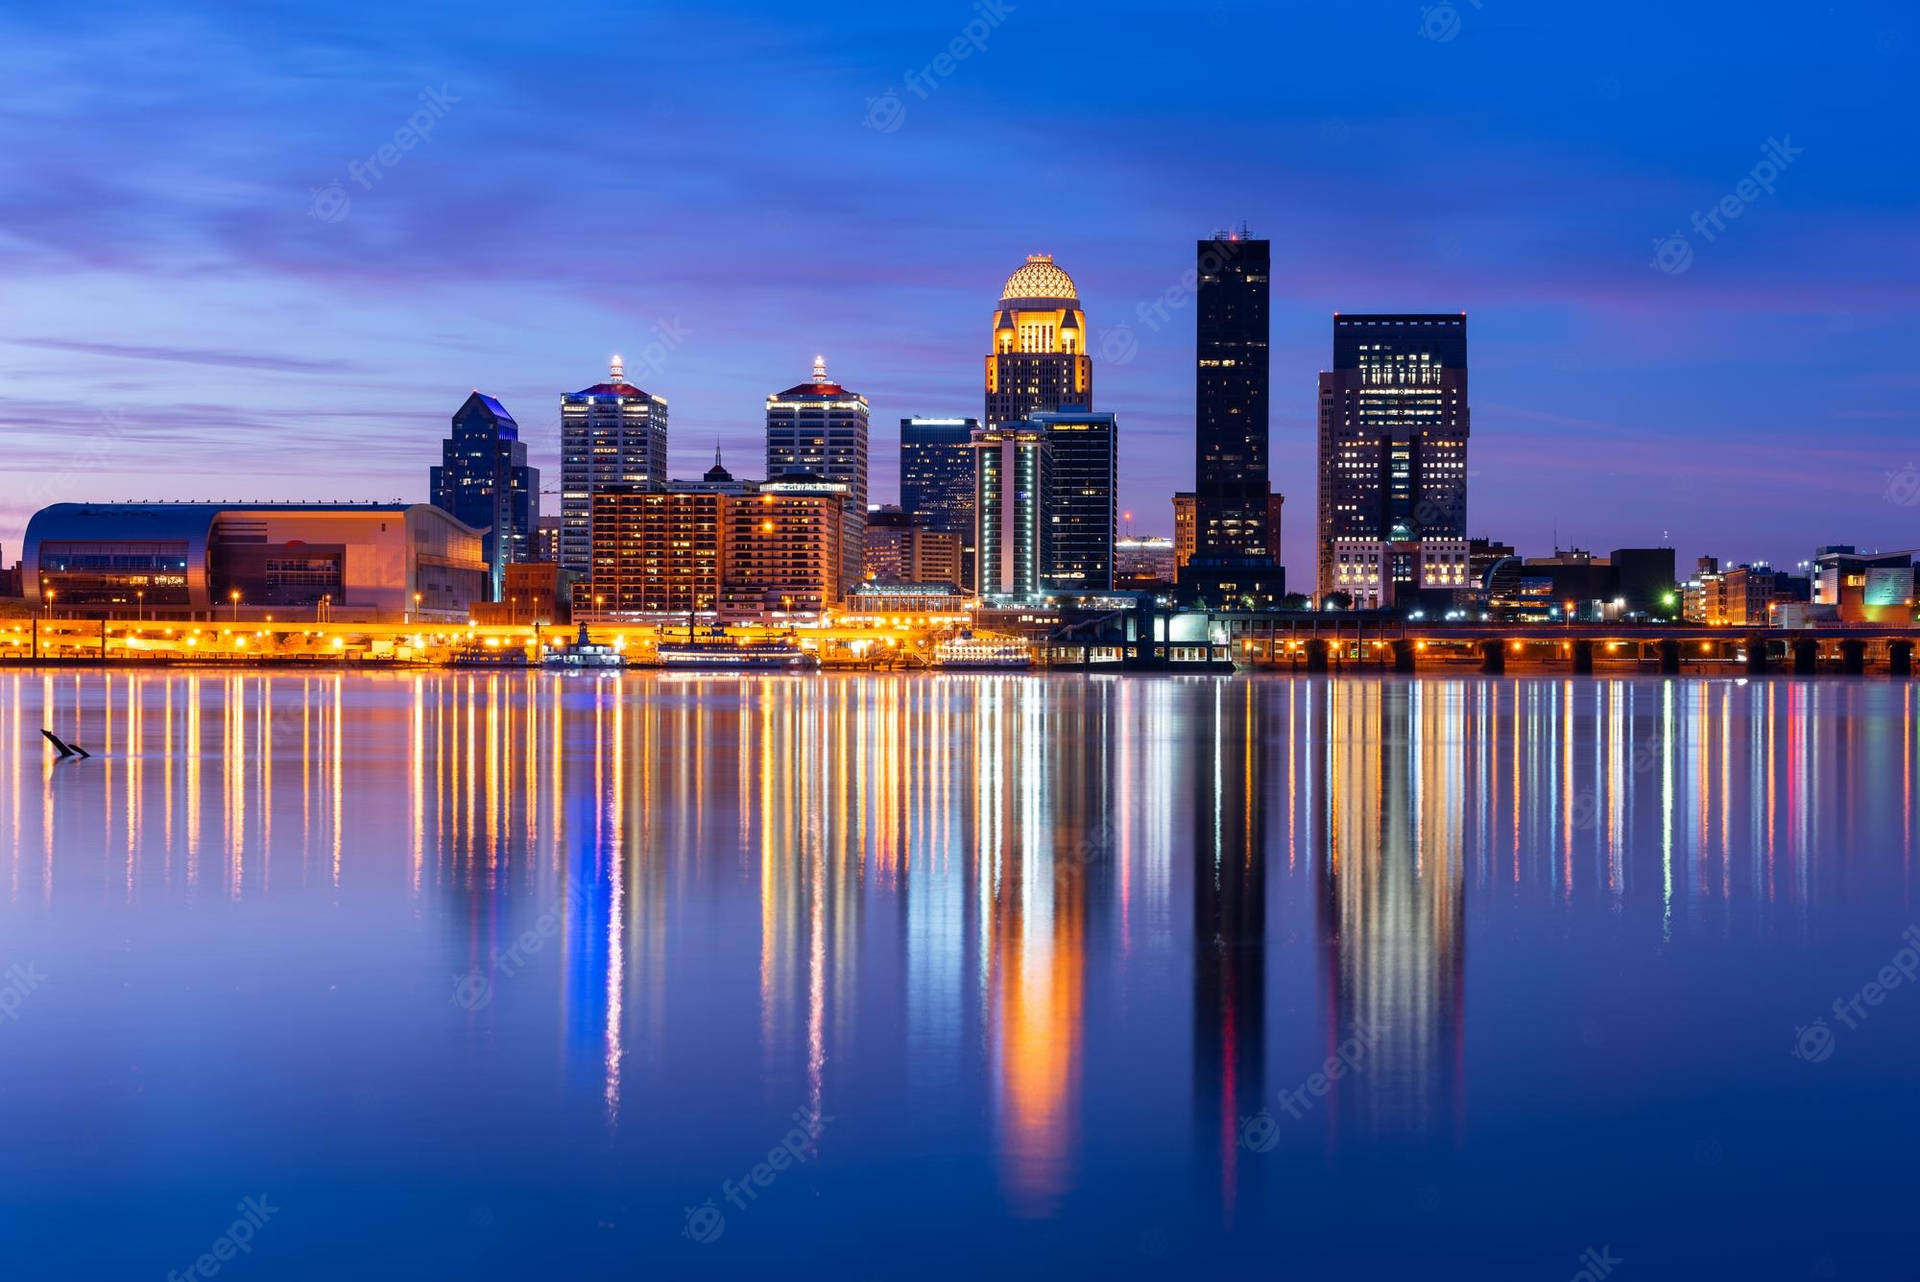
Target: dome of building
x=1040 y=278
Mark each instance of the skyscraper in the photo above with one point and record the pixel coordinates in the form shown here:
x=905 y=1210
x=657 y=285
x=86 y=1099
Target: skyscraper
x=936 y=479
x=1039 y=359
x=1393 y=458
x=483 y=479
x=610 y=434
x=1230 y=397
x=1014 y=476
x=1231 y=565
x=818 y=428
x=1080 y=505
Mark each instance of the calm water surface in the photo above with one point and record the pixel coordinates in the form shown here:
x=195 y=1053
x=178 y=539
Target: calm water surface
x=517 y=976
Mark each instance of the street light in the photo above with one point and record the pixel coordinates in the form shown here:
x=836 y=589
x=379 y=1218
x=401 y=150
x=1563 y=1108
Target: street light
x=140 y=606
x=416 y=603
x=234 y=596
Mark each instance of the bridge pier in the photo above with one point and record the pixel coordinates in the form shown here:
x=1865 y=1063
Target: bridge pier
x=1806 y=657
x=1317 y=651
x=1493 y=656
x=1756 y=656
x=1900 y=658
x=1403 y=653
x=1583 y=658
x=1853 y=657
x=1669 y=656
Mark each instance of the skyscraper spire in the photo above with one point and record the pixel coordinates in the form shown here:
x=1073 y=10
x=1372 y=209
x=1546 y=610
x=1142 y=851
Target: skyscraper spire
x=819 y=369
x=619 y=370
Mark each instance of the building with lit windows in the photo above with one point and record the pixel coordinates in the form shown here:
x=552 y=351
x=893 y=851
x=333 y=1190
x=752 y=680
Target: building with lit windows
x=1232 y=564
x=483 y=479
x=783 y=549
x=1081 y=507
x=1394 y=425
x=1014 y=474
x=819 y=429
x=902 y=548
x=610 y=434
x=346 y=561
x=936 y=479
x=1039 y=359
x=659 y=555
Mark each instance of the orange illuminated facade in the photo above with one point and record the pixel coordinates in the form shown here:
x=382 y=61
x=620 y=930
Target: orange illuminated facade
x=782 y=548
x=1039 y=359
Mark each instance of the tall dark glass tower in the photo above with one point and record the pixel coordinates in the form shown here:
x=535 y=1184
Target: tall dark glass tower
x=483 y=479
x=936 y=479
x=1230 y=398
x=1231 y=567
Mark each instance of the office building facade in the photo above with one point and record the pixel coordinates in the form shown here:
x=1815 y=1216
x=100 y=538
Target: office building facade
x=1081 y=506
x=820 y=429
x=1230 y=397
x=1014 y=475
x=484 y=481
x=902 y=548
x=1394 y=425
x=937 y=481
x=611 y=434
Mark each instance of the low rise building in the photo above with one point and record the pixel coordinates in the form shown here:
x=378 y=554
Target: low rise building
x=359 y=561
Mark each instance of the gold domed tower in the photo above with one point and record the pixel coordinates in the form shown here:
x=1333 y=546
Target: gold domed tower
x=1039 y=359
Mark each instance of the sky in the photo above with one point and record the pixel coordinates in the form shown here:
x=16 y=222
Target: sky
x=213 y=286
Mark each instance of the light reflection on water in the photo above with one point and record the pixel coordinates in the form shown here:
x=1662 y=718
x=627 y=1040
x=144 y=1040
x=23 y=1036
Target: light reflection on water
x=964 y=924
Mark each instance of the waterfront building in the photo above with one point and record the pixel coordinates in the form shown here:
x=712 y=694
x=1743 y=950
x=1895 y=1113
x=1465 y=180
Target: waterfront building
x=783 y=549
x=483 y=479
x=819 y=429
x=362 y=561
x=612 y=433
x=532 y=593
x=1863 y=587
x=937 y=481
x=1393 y=434
x=1039 y=359
x=661 y=552
x=1014 y=476
x=901 y=548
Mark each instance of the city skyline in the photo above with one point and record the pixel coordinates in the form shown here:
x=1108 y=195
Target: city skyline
x=176 y=289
